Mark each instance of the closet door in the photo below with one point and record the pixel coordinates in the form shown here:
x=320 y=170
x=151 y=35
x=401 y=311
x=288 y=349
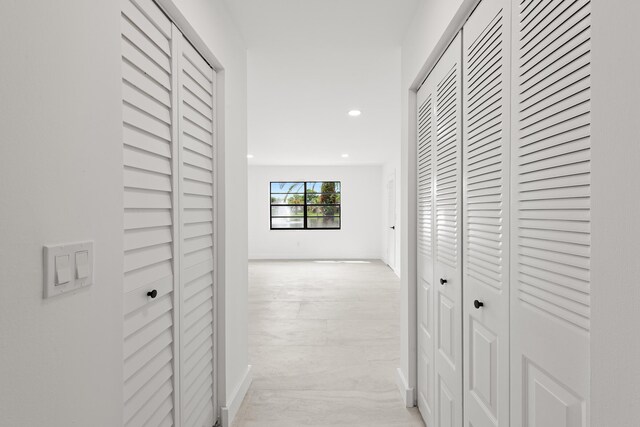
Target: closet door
x=551 y=238
x=486 y=53
x=447 y=80
x=148 y=215
x=426 y=333
x=197 y=222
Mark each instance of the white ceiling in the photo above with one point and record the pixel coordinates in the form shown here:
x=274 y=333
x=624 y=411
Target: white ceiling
x=309 y=63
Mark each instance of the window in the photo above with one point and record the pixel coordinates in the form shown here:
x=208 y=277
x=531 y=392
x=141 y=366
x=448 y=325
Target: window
x=312 y=205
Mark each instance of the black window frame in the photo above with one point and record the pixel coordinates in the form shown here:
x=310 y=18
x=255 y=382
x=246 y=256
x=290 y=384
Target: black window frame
x=304 y=205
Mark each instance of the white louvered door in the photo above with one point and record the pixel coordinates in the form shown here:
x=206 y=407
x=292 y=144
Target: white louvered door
x=149 y=355
x=551 y=240
x=169 y=218
x=486 y=87
x=447 y=80
x=426 y=333
x=196 y=147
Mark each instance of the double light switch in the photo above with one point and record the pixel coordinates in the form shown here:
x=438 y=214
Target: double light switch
x=67 y=267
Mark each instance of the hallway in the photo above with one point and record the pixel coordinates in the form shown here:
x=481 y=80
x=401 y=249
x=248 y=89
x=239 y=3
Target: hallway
x=324 y=345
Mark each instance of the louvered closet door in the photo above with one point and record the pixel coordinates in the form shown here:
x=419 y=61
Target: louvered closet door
x=447 y=79
x=550 y=291
x=148 y=215
x=426 y=333
x=196 y=139
x=486 y=53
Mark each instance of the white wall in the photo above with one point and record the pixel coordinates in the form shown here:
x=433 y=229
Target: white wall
x=362 y=205
x=429 y=24
x=61 y=181
x=615 y=209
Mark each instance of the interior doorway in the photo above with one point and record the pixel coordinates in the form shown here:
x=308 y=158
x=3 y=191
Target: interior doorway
x=391 y=221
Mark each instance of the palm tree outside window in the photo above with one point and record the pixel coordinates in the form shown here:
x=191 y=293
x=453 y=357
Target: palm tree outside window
x=305 y=205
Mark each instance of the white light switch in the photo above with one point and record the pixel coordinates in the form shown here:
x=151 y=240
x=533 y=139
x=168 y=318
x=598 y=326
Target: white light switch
x=67 y=267
x=82 y=265
x=63 y=272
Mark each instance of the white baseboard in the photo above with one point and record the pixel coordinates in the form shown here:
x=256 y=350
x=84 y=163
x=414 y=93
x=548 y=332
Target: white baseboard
x=229 y=412
x=407 y=394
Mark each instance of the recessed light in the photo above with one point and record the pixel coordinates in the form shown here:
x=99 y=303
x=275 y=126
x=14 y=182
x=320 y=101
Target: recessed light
x=355 y=113
x=249 y=156
x=344 y=156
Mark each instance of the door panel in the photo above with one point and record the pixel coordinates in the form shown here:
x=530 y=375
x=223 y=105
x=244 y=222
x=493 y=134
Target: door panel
x=169 y=218
x=426 y=302
x=447 y=79
x=439 y=234
x=197 y=220
x=551 y=240
x=148 y=215
x=486 y=53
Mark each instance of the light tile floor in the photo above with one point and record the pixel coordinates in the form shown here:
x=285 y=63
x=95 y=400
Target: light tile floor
x=324 y=344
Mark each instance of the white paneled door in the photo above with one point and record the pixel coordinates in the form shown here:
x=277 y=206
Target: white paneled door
x=439 y=166
x=550 y=230
x=169 y=220
x=447 y=79
x=426 y=332
x=486 y=58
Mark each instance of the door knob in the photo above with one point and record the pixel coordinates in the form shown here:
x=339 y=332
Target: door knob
x=393 y=227
x=152 y=293
x=478 y=304
x=443 y=281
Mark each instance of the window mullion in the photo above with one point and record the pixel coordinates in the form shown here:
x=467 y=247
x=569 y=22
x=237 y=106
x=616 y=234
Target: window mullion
x=305 y=205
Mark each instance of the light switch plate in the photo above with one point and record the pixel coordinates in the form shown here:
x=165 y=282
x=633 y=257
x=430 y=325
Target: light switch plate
x=76 y=260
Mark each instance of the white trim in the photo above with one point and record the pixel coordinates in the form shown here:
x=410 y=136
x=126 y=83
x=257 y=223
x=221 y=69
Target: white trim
x=179 y=20
x=450 y=33
x=176 y=179
x=407 y=393
x=297 y=257
x=228 y=413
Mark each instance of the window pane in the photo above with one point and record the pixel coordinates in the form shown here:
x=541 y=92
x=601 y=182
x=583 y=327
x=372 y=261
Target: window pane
x=287 y=211
x=323 y=199
x=323 y=211
x=287 y=222
x=287 y=199
x=287 y=187
x=323 y=222
x=323 y=187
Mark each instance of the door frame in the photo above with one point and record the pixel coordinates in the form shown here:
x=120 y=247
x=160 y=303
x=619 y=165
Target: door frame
x=170 y=9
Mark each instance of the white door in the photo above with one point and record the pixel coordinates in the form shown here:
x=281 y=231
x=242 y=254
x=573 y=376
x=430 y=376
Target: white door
x=550 y=227
x=486 y=70
x=447 y=78
x=196 y=80
x=149 y=354
x=168 y=105
x=425 y=253
x=391 y=222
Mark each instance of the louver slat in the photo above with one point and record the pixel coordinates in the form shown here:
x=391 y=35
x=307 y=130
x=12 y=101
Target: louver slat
x=554 y=160
x=447 y=172
x=425 y=179
x=197 y=245
x=148 y=242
